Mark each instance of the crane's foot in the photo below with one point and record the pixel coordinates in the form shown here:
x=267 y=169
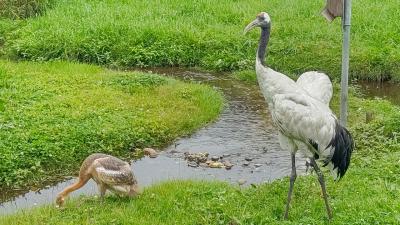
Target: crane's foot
x=309 y=167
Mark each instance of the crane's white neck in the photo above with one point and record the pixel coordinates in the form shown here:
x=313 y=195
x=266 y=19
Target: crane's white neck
x=262 y=45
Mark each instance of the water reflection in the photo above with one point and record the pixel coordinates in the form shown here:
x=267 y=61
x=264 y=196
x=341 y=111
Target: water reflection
x=385 y=90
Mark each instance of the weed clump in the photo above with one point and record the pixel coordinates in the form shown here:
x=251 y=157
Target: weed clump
x=22 y=9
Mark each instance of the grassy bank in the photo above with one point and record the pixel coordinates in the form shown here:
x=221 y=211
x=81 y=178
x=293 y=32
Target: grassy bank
x=209 y=34
x=368 y=194
x=52 y=115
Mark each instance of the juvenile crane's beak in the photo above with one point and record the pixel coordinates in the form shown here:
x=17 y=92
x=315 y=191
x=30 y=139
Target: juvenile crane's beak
x=250 y=26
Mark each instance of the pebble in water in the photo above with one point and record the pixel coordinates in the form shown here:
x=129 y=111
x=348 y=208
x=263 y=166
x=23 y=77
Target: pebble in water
x=150 y=152
x=216 y=165
x=228 y=165
x=214 y=158
x=241 y=181
x=193 y=164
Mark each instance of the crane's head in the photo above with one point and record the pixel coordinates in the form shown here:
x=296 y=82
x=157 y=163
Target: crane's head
x=134 y=190
x=262 y=20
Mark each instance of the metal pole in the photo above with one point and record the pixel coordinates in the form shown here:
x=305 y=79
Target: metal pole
x=346 y=18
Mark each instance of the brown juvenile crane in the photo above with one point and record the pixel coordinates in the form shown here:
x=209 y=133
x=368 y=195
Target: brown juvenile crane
x=109 y=172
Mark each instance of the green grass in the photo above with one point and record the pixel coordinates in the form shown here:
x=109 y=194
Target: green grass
x=52 y=115
x=209 y=34
x=368 y=194
x=6 y=28
x=248 y=76
x=17 y=9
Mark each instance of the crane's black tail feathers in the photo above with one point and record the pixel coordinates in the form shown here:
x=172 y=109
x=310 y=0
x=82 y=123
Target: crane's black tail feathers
x=343 y=145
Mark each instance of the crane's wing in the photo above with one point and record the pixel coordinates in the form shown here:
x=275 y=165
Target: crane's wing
x=114 y=171
x=317 y=85
x=305 y=119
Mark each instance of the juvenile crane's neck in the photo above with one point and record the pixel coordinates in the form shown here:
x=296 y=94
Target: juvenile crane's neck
x=263 y=43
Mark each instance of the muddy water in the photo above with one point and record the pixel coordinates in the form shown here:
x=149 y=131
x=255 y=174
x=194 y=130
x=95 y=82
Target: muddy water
x=385 y=90
x=242 y=131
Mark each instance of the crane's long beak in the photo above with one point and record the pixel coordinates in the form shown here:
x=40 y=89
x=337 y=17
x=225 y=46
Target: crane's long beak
x=250 y=26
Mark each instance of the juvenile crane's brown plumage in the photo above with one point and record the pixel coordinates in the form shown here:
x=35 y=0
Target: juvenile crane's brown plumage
x=109 y=172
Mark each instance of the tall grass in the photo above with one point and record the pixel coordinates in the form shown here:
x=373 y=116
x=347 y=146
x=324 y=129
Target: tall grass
x=6 y=26
x=52 y=115
x=209 y=34
x=20 y=9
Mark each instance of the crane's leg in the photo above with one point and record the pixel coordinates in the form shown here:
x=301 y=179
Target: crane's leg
x=102 y=190
x=293 y=177
x=322 y=183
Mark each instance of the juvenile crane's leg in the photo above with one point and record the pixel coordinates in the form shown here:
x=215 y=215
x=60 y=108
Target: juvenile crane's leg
x=102 y=190
x=322 y=183
x=293 y=177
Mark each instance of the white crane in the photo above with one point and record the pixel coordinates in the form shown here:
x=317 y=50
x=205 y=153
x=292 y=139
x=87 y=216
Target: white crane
x=300 y=110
